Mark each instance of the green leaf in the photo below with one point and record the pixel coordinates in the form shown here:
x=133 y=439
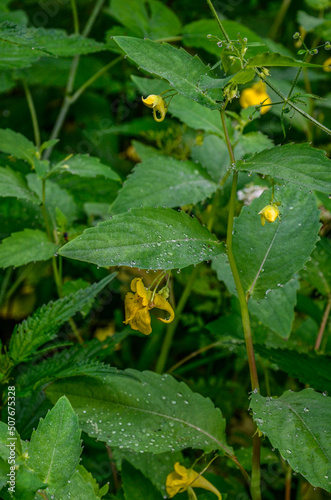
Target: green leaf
x=190 y=112
x=17 y=145
x=148 y=238
x=313 y=369
x=276 y=310
x=137 y=486
x=151 y=19
x=27 y=483
x=318 y=4
x=267 y=256
x=30 y=245
x=164 y=180
x=85 y=166
x=297 y=163
x=48 y=41
x=275 y=59
x=253 y=142
x=78 y=487
x=298 y=425
x=14 y=57
x=13 y=184
x=213 y=155
x=42 y=326
x=143 y=412
x=318 y=270
x=55 y=447
x=180 y=69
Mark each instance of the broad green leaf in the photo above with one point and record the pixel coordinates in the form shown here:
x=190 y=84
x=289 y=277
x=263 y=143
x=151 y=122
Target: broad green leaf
x=313 y=368
x=13 y=184
x=213 y=155
x=267 y=256
x=143 y=412
x=55 y=447
x=88 y=478
x=190 y=112
x=137 y=486
x=150 y=19
x=14 y=57
x=253 y=142
x=86 y=166
x=298 y=425
x=27 y=483
x=30 y=245
x=178 y=67
x=148 y=238
x=274 y=59
x=42 y=326
x=318 y=270
x=17 y=145
x=276 y=310
x=48 y=41
x=164 y=180
x=77 y=487
x=297 y=163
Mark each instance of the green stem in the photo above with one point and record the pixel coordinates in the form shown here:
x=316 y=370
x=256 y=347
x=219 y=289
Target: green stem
x=71 y=81
x=93 y=78
x=255 y=481
x=161 y=362
x=22 y=275
x=288 y=480
x=279 y=19
x=33 y=114
x=43 y=209
x=323 y=325
x=75 y=16
x=212 y=8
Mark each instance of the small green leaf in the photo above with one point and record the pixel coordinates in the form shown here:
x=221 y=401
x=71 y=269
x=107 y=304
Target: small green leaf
x=137 y=486
x=17 y=145
x=274 y=59
x=165 y=180
x=85 y=166
x=41 y=167
x=55 y=447
x=30 y=245
x=78 y=487
x=309 y=23
x=148 y=238
x=298 y=425
x=178 y=67
x=13 y=184
x=318 y=270
x=158 y=414
x=213 y=155
x=297 y=163
x=260 y=253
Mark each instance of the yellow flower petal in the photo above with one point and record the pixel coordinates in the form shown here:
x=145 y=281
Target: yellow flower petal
x=269 y=213
x=161 y=303
x=137 y=286
x=136 y=314
x=181 y=479
x=255 y=95
x=327 y=65
x=158 y=104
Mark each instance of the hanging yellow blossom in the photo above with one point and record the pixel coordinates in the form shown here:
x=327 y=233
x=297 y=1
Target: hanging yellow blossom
x=182 y=479
x=269 y=213
x=158 y=104
x=255 y=95
x=139 y=303
x=327 y=65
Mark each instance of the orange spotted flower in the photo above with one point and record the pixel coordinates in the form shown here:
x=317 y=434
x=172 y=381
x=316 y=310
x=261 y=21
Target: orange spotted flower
x=139 y=303
x=254 y=96
x=182 y=479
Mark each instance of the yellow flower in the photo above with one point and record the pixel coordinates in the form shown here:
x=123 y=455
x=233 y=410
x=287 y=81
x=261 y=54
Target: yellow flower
x=181 y=479
x=138 y=305
x=269 y=213
x=158 y=104
x=255 y=95
x=327 y=65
